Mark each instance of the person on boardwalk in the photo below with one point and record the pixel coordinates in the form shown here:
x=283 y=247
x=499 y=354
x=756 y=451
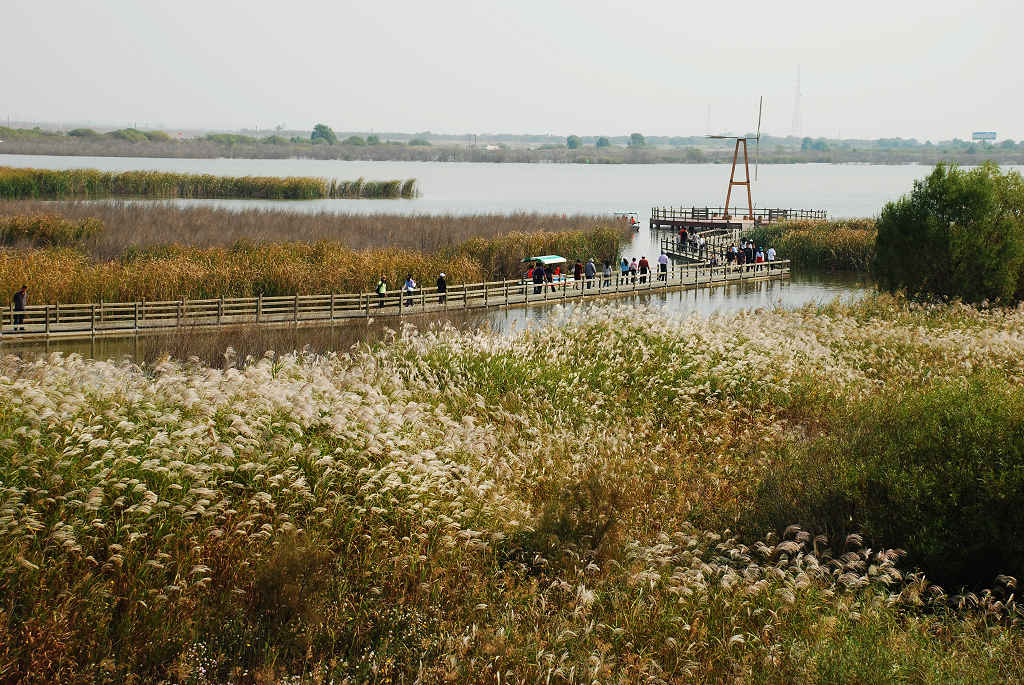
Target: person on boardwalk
x=382 y=290
x=577 y=274
x=20 y=300
x=748 y=254
x=607 y=273
x=590 y=271
x=551 y=275
x=663 y=266
x=624 y=268
x=539 y=277
x=408 y=289
x=442 y=289
x=770 y=256
x=632 y=270
x=645 y=268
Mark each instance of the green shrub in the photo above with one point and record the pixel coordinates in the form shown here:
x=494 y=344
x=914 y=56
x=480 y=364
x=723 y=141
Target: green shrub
x=229 y=138
x=354 y=140
x=420 y=142
x=324 y=134
x=957 y=234
x=83 y=133
x=129 y=134
x=937 y=471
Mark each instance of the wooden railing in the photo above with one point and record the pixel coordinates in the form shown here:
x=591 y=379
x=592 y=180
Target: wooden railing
x=763 y=216
x=126 y=318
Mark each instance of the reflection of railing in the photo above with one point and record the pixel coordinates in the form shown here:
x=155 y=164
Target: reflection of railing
x=764 y=216
x=126 y=318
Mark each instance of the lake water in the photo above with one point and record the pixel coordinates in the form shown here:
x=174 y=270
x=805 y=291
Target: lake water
x=845 y=190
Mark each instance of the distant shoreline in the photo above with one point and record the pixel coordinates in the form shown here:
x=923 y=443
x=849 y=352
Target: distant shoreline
x=205 y=149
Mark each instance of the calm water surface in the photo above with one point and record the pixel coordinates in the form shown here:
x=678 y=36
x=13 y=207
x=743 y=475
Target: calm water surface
x=845 y=190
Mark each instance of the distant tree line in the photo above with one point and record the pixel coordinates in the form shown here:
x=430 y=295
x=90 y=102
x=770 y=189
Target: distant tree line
x=636 y=148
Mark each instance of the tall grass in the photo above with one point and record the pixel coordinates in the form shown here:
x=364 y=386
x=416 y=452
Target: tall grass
x=25 y=183
x=441 y=506
x=840 y=245
x=249 y=269
x=140 y=225
x=167 y=253
x=47 y=230
x=64 y=275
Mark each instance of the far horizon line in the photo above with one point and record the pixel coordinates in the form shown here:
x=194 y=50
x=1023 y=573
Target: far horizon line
x=11 y=122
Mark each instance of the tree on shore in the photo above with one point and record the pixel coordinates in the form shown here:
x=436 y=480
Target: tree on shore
x=637 y=140
x=603 y=142
x=956 y=234
x=323 y=132
x=573 y=142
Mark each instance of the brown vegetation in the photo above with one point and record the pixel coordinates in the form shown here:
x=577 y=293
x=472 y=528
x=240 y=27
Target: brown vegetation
x=140 y=225
x=147 y=252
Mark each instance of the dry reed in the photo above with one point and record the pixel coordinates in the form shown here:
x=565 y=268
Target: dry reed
x=141 y=225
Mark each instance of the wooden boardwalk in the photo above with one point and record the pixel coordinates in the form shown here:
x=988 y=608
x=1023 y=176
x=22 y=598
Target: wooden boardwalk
x=707 y=218
x=119 y=319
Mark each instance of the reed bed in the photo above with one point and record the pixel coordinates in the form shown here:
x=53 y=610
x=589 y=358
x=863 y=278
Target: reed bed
x=26 y=183
x=446 y=506
x=47 y=230
x=839 y=245
x=64 y=275
x=220 y=253
x=140 y=225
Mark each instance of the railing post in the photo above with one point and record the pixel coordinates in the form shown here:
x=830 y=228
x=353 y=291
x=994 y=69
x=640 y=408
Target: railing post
x=92 y=318
x=181 y=311
x=401 y=301
x=220 y=311
x=506 y=294
x=47 y=325
x=295 y=309
x=332 y=304
x=465 y=297
x=259 y=307
x=136 y=317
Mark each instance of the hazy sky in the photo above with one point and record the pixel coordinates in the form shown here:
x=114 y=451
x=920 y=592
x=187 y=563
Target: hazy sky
x=925 y=69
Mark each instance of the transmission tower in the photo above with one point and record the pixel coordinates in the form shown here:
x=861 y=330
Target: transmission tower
x=797 y=123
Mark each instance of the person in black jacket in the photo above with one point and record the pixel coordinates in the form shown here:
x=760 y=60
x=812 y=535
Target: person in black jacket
x=20 y=299
x=442 y=288
x=539 y=277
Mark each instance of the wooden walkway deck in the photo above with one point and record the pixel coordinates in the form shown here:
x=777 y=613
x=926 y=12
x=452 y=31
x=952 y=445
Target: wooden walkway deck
x=706 y=218
x=119 y=319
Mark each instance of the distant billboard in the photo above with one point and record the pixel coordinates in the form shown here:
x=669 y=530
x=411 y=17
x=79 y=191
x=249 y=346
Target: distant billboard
x=983 y=135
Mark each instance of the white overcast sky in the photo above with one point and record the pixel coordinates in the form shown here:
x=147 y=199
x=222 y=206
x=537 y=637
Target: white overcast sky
x=926 y=69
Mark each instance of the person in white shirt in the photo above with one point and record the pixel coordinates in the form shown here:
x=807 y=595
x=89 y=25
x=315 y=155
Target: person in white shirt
x=409 y=288
x=771 y=254
x=663 y=267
